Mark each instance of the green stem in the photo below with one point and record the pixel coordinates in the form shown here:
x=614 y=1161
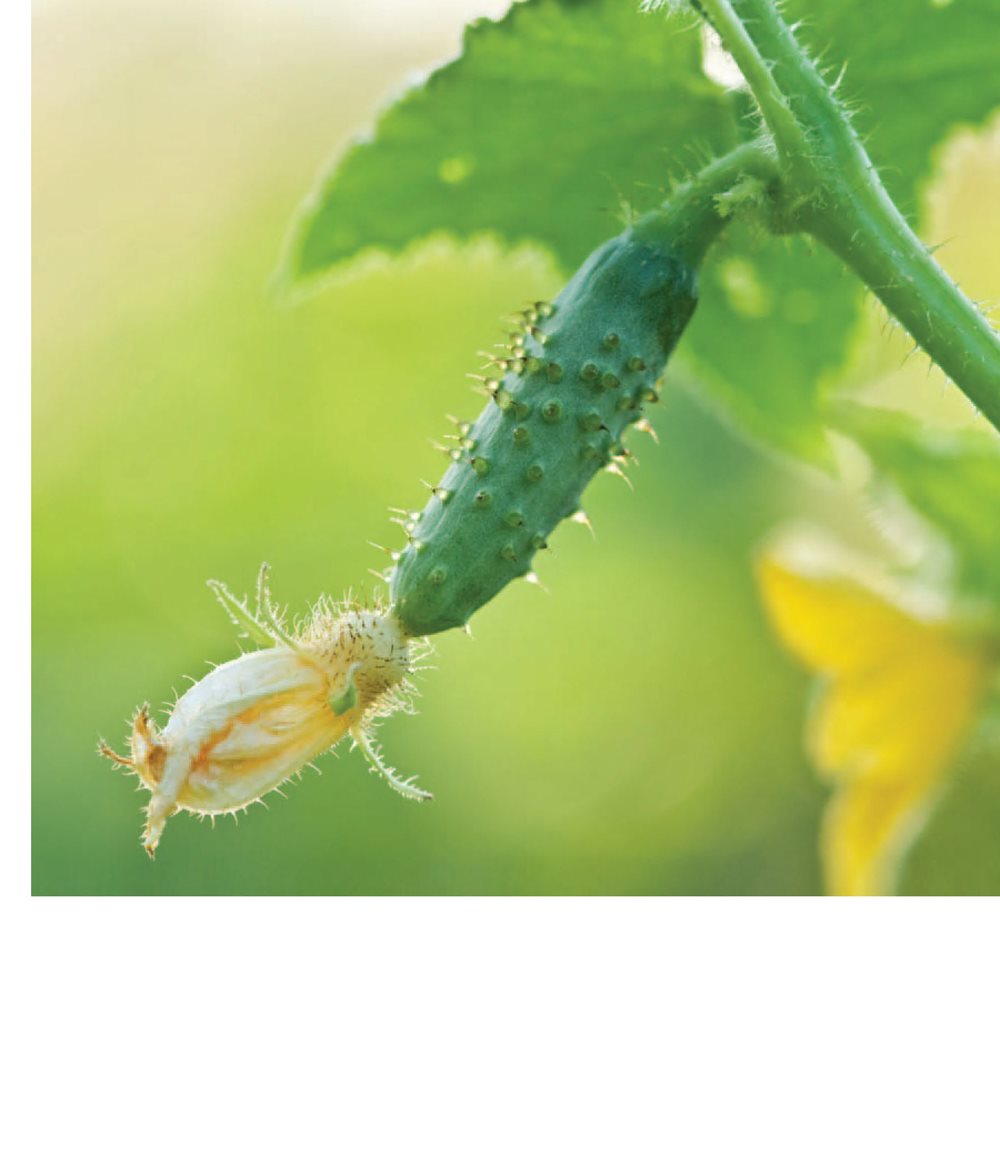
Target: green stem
x=831 y=189
x=698 y=209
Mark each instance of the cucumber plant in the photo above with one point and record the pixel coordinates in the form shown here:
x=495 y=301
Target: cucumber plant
x=618 y=96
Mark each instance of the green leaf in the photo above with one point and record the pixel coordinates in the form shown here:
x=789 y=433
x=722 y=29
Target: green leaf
x=562 y=112
x=550 y=120
x=772 y=320
x=951 y=477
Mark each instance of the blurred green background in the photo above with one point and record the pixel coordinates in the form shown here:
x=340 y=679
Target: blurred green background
x=636 y=730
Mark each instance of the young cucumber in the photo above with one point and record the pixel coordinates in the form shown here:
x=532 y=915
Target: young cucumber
x=578 y=376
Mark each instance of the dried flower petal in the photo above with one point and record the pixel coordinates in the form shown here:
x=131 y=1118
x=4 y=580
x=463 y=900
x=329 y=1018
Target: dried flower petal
x=254 y=722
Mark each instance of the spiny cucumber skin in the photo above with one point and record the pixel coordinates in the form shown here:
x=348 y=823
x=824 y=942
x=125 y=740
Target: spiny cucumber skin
x=527 y=459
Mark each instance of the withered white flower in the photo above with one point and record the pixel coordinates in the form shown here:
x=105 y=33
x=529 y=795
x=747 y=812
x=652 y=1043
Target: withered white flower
x=256 y=721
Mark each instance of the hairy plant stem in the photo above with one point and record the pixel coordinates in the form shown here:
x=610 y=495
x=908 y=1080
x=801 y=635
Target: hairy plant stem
x=698 y=209
x=830 y=189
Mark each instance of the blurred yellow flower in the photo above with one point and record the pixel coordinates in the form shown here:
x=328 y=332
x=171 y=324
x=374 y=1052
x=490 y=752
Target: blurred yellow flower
x=899 y=692
x=256 y=721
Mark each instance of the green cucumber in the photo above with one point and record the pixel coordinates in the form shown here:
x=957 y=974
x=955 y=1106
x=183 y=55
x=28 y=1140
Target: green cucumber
x=576 y=376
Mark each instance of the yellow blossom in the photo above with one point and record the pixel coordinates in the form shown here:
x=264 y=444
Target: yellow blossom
x=254 y=722
x=900 y=689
